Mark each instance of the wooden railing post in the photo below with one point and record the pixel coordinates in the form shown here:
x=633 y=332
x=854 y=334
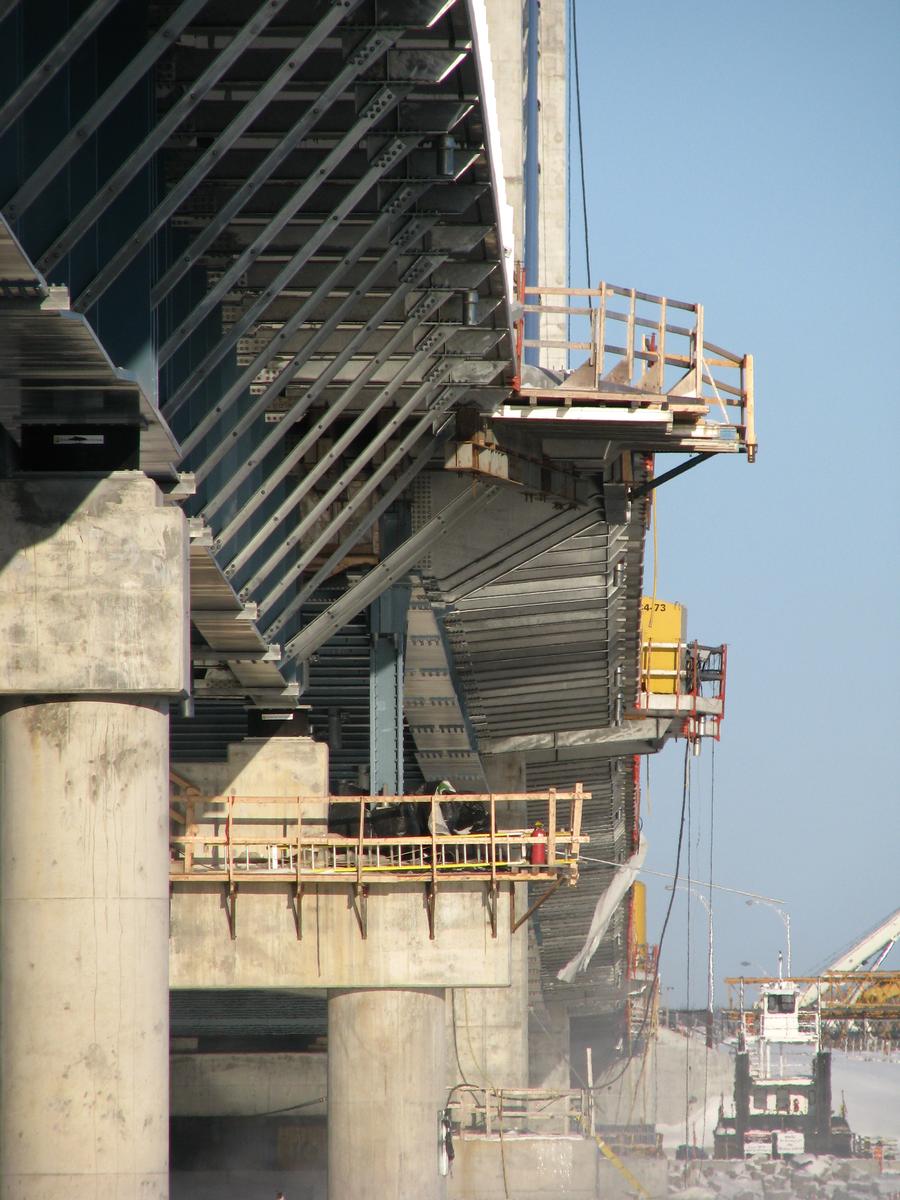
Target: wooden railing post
x=551 y=830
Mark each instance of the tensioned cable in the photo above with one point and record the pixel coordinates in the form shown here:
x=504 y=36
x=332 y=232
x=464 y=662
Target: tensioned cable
x=662 y=937
x=712 y=982
x=687 y=1040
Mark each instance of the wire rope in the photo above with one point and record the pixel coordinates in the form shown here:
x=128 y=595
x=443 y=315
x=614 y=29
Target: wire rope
x=651 y=991
x=712 y=982
x=687 y=1040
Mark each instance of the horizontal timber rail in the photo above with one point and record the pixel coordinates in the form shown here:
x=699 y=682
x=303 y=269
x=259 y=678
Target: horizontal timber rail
x=374 y=839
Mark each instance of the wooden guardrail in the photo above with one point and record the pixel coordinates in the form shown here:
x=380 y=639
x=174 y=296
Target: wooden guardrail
x=227 y=838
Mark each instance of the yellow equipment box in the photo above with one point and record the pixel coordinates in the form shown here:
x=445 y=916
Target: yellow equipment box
x=663 y=634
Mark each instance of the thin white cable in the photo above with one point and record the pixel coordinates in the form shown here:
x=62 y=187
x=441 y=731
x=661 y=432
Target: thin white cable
x=708 y=373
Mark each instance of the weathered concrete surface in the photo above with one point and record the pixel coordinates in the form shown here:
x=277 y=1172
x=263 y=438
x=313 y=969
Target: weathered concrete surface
x=231 y=1085
x=548 y=1040
x=536 y=1168
x=83 y=948
x=488 y=1027
x=397 y=952
x=93 y=588
x=278 y=766
x=387 y=1076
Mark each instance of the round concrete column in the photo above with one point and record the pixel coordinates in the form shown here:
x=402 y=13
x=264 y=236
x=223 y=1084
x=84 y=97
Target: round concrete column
x=83 y=950
x=387 y=1082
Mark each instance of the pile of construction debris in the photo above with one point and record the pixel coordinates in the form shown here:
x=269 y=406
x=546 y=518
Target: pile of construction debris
x=803 y=1176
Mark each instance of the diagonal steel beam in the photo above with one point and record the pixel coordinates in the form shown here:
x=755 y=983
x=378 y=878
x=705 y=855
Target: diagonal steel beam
x=284 y=277
x=54 y=61
x=422 y=309
x=363 y=57
x=434 y=340
x=92 y=292
x=284 y=377
x=375 y=513
x=385 y=99
x=398 y=203
x=436 y=409
x=388 y=571
x=409 y=282
x=521 y=550
x=160 y=133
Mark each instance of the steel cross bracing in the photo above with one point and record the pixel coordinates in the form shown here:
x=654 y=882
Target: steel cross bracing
x=324 y=214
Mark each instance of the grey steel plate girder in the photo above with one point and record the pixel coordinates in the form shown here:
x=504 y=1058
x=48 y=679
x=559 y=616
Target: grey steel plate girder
x=407 y=446
x=359 y=530
x=384 y=100
x=390 y=570
x=413 y=228
x=396 y=455
x=359 y=60
x=288 y=272
x=346 y=477
x=250 y=505
x=192 y=178
x=124 y=174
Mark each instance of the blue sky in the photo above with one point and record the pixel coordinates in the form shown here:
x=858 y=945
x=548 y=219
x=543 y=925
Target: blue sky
x=745 y=155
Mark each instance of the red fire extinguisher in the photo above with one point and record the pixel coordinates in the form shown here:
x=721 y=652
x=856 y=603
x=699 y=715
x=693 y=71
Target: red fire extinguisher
x=538 y=855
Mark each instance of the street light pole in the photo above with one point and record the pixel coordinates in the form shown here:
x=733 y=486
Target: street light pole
x=785 y=920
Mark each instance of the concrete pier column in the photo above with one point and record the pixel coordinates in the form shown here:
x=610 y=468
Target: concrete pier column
x=387 y=1083
x=84 y=950
x=93 y=637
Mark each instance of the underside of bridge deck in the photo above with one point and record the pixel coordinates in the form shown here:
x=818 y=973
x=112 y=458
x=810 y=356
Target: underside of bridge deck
x=260 y=253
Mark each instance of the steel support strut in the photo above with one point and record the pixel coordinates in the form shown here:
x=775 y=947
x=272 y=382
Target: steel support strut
x=389 y=570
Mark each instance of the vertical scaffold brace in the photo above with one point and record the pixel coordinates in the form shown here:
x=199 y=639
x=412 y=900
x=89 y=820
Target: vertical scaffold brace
x=297 y=909
x=229 y=901
x=359 y=898
x=492 y=892
x=430 y=902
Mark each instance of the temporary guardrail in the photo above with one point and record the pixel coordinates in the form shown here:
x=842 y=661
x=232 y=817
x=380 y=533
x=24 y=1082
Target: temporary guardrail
x=438 y=840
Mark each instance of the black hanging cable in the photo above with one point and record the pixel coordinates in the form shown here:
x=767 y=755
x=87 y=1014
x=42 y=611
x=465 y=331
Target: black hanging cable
x=712 y=983
x=654 y=981
x=687 y=1040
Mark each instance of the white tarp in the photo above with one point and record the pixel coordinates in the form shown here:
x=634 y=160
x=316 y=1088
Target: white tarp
x=606 y=906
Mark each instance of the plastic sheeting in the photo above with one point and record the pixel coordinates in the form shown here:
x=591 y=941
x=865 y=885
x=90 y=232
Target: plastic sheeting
x=603 y=913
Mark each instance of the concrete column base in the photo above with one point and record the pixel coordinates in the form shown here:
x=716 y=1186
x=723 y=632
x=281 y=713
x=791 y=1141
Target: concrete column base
x=84 y=950
x=387 y=1076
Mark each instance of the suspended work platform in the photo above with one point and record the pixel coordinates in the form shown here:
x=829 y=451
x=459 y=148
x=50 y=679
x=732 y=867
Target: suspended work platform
x=270 y=837
x=644 y=372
